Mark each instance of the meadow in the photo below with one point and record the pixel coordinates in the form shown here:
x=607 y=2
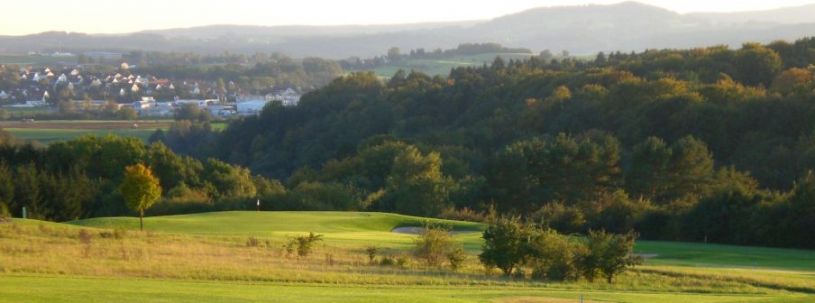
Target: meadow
x=240 y=257
x=47 y=132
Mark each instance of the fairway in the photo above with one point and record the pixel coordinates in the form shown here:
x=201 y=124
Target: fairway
x=53 y=288
x=349 y=228
x=206 y=258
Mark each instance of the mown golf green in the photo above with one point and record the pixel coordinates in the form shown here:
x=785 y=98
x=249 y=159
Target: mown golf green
x=239 y=257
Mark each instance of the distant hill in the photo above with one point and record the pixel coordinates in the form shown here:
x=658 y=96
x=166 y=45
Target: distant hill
x=788 y=15
x=586 y=29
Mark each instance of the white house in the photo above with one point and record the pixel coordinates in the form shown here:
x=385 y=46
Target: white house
x=144 y=103
x=289 y=97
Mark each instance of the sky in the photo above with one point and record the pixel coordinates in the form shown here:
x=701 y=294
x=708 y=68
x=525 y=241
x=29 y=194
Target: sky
x=105 y=16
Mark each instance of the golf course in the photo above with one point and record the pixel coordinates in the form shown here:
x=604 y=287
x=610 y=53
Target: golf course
x=241 y=257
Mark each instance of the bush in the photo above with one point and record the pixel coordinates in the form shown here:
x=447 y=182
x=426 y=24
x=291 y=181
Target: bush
x=514 y=247
x=553 y=256
x=456 y=258
x=371 y=251
x=387 y=261
x=463 y=214
x=504 y=245
x=252 y=242
x=303 y=244
x=434 y=245
x=607 y=254
x=5 y=215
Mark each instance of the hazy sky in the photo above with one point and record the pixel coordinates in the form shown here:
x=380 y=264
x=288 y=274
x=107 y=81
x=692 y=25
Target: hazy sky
x=105 y=16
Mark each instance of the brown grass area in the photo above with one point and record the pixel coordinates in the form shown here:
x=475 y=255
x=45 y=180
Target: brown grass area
x=63 y=250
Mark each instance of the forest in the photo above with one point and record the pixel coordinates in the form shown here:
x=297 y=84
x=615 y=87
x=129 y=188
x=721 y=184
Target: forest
x=711 y=144
x=708 y=145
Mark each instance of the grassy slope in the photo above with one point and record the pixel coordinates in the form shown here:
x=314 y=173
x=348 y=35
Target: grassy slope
x=187 y=264
x=338 y=227
x=358 y=228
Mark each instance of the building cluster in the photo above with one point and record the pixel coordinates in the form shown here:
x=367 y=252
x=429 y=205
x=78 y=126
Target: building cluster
x=148 y=95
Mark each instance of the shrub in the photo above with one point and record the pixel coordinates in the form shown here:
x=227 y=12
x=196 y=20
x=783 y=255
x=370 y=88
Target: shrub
x=514 y=247
x=553 y=256
x=463 y=214
x=398 y=261
x=433 y=245
x=504 y=242
x=456 y=257
x=371 y=251
x=402 y=261
x=387 y=261
x=303 y=244
x=5 y=215
x=607 y=254
x=252 y=242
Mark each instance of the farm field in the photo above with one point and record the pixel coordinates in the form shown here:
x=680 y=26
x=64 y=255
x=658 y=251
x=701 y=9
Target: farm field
x=36 y=60
x=47 y=132
x=442 y=67
x=212 y=258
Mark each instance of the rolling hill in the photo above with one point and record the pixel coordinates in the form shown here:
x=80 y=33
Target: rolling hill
x=582 y=30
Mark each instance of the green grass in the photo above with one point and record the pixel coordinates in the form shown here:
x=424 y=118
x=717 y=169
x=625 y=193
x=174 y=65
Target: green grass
x=349 y=228
x=15 y=288
x=204 y=258
x=73 y=129
x=355 y=228
x=714 y=255
x=443 y=66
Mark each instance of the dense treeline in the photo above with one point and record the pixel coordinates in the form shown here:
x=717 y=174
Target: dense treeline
x=708 y=144
x=273 y=72
x=80 y=178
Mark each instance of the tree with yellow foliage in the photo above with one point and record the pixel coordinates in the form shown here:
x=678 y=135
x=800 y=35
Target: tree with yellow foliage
x=140 y=189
